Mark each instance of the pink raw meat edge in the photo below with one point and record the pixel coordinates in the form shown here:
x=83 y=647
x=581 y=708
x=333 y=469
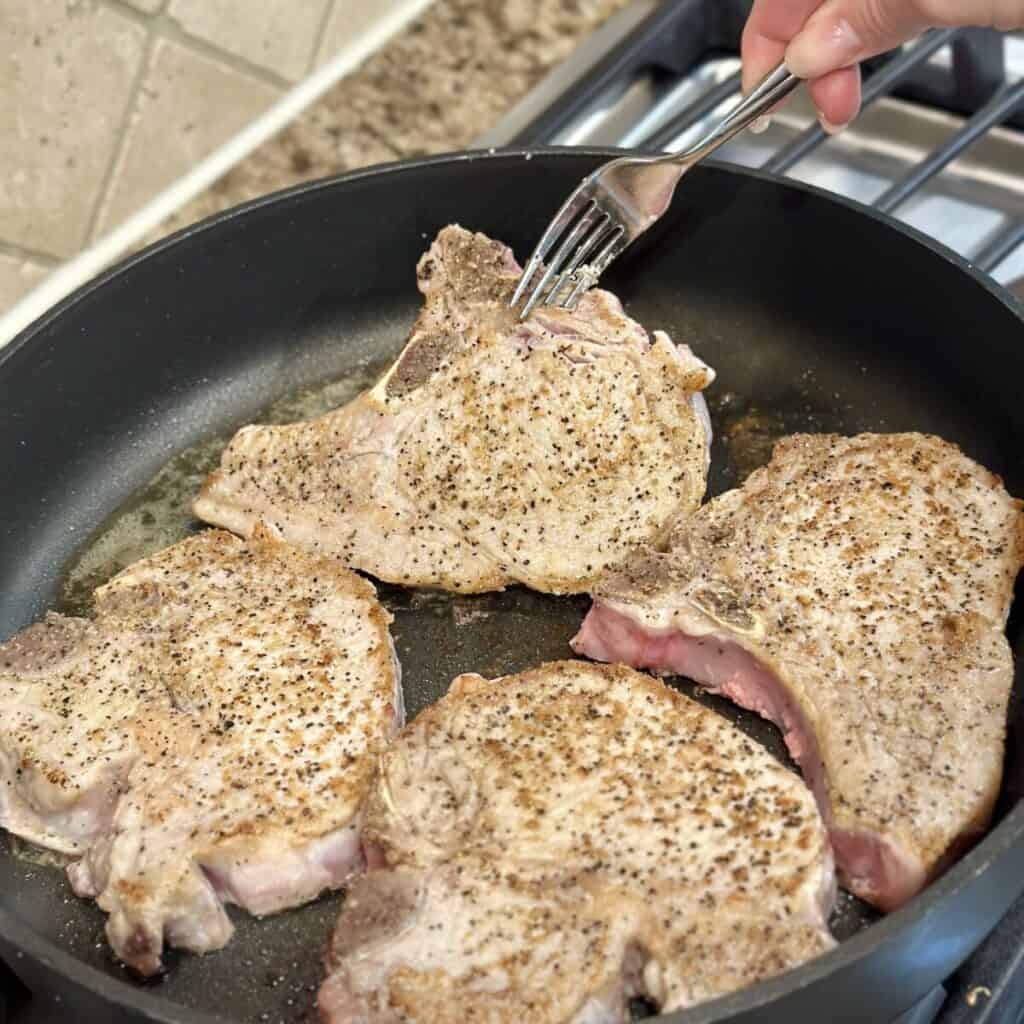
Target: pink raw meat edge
x=870 y=865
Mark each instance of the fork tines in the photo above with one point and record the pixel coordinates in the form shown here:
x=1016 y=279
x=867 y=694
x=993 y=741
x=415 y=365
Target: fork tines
x=584 y=229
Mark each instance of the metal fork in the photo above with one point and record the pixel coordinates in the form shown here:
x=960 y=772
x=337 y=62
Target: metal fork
x=616 y=204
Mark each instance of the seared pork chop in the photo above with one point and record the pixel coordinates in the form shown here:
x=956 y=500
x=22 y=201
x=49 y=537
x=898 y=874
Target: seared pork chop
x=207 y=738
x=555 y=842
x=854 y=591
x=492 y=452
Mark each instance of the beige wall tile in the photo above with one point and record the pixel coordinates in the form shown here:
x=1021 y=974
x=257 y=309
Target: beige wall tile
x=17 y=277
x=66 y=73
x=351 y=18
x=279 y=35
x=188 y=105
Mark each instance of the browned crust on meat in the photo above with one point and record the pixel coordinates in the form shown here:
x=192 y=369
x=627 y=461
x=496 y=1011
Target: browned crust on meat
x=243 y=692
x=493 y=452
x=565 y=827
x=871 y=576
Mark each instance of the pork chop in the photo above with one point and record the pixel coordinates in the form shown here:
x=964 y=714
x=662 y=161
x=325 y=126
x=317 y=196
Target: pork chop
x=855 y=591
x=492 y=452
x=553 y=843
x=207 y=738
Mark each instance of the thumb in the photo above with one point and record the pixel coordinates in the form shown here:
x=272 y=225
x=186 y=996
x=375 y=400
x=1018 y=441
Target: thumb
x=844 y=32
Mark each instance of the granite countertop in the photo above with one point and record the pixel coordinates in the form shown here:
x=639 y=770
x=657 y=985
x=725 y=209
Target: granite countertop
x=445 y=79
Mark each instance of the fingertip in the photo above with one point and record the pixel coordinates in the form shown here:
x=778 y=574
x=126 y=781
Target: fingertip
x=837 y=96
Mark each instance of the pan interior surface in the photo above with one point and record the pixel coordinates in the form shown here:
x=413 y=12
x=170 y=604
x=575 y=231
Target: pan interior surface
x=114 y=409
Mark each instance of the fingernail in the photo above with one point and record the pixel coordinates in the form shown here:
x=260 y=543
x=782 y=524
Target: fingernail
x=830 y=128
x=824 y=45
x=761 y=125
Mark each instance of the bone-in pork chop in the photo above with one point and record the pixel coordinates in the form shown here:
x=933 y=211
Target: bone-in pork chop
x=207 y=738
x=552 y=843
x=854 y=591
x=492 y=452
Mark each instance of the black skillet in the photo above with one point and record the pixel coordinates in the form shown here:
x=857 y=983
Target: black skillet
x=817 y=314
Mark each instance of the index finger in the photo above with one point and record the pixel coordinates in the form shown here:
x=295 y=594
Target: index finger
x=769 y=29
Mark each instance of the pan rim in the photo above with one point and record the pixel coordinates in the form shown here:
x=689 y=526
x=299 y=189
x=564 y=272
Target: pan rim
x=995 y=844
x=496 y=156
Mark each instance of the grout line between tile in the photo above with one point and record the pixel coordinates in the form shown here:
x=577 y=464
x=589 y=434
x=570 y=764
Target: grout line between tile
x=122 y=139
x=321 y=34
x=163 y=25
x=21 y=252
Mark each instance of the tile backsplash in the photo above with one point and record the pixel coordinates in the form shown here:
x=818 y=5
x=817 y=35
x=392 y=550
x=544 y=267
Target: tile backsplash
x=186 y=105
x=279 y=35
x=105 y=102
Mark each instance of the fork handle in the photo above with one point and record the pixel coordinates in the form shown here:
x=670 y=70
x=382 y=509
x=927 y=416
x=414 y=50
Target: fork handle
x=771 y=90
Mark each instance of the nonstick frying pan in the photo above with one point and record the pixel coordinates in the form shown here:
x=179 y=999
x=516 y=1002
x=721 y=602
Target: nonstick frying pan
x=817 y=314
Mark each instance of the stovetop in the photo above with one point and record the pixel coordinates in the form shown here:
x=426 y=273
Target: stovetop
x=939 y=144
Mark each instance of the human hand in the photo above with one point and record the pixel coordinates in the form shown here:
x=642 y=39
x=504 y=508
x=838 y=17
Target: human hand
x=825 y=40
